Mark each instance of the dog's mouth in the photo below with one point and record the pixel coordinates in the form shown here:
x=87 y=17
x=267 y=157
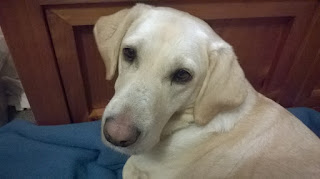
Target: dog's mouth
x=126 y=138
x=137 y=147
x=125 y=142
x=131 y=129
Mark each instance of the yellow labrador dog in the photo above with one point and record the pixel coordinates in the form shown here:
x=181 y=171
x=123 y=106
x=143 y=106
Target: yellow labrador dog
x=184 y=109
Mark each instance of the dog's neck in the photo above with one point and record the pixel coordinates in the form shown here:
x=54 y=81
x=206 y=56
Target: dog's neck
x=222 y=122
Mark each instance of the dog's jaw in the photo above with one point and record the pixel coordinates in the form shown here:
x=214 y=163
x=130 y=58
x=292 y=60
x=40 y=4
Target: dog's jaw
x=178 y=121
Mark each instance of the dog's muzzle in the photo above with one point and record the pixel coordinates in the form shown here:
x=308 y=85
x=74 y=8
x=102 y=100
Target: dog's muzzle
x=120 y=132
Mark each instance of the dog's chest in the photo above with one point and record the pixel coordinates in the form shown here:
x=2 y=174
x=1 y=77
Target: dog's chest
x=143 y=167
x=218 y=162
x=166 y=162
x=218 y=156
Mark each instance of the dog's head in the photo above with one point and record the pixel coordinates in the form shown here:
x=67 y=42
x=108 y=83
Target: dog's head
x=168 y=61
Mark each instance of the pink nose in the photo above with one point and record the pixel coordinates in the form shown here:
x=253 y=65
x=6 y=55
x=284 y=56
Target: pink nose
x=120 y=132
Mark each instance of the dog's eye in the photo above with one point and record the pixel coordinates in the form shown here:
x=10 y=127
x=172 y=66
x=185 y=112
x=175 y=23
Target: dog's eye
x=129 y=54
x=181 y=76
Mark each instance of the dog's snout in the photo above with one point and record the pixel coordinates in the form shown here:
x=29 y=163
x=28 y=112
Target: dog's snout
x=120 y=132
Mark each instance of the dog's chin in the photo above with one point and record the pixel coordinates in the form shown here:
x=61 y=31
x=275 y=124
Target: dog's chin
x=129 y=150
x=134 y=149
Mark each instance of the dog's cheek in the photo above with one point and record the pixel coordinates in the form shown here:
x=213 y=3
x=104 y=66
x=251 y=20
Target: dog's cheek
x=182 y=98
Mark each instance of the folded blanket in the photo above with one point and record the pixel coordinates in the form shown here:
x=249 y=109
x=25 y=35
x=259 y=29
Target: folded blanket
x=65 y=151
x=73 y=150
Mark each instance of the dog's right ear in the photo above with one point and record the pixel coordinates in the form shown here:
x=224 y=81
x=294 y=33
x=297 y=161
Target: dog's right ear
x=109 y=32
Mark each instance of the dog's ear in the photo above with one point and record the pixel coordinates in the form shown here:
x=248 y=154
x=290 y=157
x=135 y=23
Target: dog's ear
x=224 y=86
x=109 y=32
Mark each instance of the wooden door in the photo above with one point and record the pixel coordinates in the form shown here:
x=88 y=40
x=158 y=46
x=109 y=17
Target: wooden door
x=265 y=36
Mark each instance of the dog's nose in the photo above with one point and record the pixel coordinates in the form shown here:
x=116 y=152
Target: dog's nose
x=119 y=132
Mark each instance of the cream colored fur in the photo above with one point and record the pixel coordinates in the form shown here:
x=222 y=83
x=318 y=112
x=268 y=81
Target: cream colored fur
x=216 y=125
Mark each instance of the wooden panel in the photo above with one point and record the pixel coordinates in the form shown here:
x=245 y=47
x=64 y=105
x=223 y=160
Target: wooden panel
x=98 y=90
x=28 y=40
x=88 y=14
x=85 y=15
x=59 y=2
x=68 y=2
x=303 y=84
x=257 y=43
x=314 y=80
x=67 y=57
x=310 y=93
x=266 y=36
x=316 y=90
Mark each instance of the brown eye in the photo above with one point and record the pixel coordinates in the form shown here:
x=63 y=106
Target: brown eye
x=129 y=54
x=181 y=76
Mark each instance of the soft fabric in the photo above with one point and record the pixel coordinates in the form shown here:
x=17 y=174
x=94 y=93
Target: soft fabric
x=309 y=117
x=65 y=151
x=74 y=150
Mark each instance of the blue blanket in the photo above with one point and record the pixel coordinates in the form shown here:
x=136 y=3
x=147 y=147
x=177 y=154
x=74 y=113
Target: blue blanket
x=74 y=150
x=309 y=117
x=65 y=151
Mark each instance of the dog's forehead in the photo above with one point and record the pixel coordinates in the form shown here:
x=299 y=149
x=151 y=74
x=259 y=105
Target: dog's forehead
x=166 y=26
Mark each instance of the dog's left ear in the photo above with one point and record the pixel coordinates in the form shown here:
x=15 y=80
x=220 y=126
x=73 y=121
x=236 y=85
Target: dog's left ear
x=109 y=32
x=224 y=86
